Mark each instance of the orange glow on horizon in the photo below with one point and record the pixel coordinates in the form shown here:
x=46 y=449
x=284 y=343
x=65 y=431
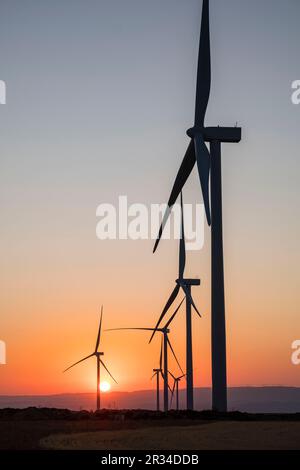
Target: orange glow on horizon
x=52 y=322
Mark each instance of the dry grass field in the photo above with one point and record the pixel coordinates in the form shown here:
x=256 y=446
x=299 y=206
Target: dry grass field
x=24 y=434
x=52 y=428
x=226 y=435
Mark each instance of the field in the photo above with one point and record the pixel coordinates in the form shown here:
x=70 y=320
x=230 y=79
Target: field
x=206 y=436
x=44 y=428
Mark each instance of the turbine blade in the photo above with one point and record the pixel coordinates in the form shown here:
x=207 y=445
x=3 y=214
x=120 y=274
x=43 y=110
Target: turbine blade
x=166 y=308
x=107 y=370
x=152 y=377
x=161 y=351
x=99 y=331
x=172 y=392
x=203 y=164
x=170 y=345
x=204 y=68
x=172 y=317
x=173 y=376
x=163 y=376
x=185 y=169
x=81 y=360
x=190 y=298
x=143 y=329
x=182 y=256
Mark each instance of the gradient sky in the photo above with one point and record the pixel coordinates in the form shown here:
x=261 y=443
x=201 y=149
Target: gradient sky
x=99 y=96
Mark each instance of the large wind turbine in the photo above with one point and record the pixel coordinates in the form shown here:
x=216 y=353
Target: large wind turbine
x=185 y=285
x=98 y=355
x=208 y=163
x=166 y=344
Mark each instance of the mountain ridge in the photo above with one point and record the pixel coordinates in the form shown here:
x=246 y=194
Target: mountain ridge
x=267 y=399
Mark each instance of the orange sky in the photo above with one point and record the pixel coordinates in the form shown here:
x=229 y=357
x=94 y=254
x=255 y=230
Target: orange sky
x=51 y=321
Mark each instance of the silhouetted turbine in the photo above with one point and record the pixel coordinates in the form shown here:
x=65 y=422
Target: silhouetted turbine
x=208 y=163
x=176 y=388
x=157 y=373
x=97 y=354
x=185 y=285
x=166 y=344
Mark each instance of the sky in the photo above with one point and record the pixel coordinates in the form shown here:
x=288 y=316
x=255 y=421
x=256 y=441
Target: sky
x=99 y=96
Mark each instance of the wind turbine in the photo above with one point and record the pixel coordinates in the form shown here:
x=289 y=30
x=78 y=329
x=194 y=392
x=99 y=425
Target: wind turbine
x=185 y=285
x=208 y=163
x=98 y=355
x=166 y=344
x=157 y=373
x=176 y=388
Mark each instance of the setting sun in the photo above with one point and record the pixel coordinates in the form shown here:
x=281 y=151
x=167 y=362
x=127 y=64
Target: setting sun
x=104 y=386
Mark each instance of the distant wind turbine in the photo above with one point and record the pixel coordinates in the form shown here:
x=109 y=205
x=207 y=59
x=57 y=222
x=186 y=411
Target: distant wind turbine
x=166 y=345
x=185 y=285
x=176 y=388
x=157 y=373
x=98 y=355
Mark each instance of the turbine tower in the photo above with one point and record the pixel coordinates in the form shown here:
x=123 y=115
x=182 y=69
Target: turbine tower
x=166 y=345
x=208 y=163
x=98 y=355
x=186 y=285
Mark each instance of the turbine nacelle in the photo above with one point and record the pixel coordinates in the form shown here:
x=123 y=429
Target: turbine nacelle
x=188 y=282
x=222 y=134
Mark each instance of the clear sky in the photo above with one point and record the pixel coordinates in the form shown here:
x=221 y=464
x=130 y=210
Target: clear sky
x=99 y=96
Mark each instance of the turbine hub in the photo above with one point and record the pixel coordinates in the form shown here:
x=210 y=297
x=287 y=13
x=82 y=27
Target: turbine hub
x=193 y=131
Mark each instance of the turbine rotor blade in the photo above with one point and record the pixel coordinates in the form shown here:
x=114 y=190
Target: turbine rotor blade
x=172 y=393
x=184 y=172
x=203 y=164
x=161 y=351
x=202 y=97
x=163 y=376
x=78 y=362
x=166 y=308
x=204 y=68
x=143 y=329
x=171 y=347
x=182 y=256
x=172 y=317
x=172 y=375
x=190 y=298
x=152 y=377
x=99 y=331
x=107 y=370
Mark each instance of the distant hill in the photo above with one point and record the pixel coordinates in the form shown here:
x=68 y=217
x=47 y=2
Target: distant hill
x=250 y=399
